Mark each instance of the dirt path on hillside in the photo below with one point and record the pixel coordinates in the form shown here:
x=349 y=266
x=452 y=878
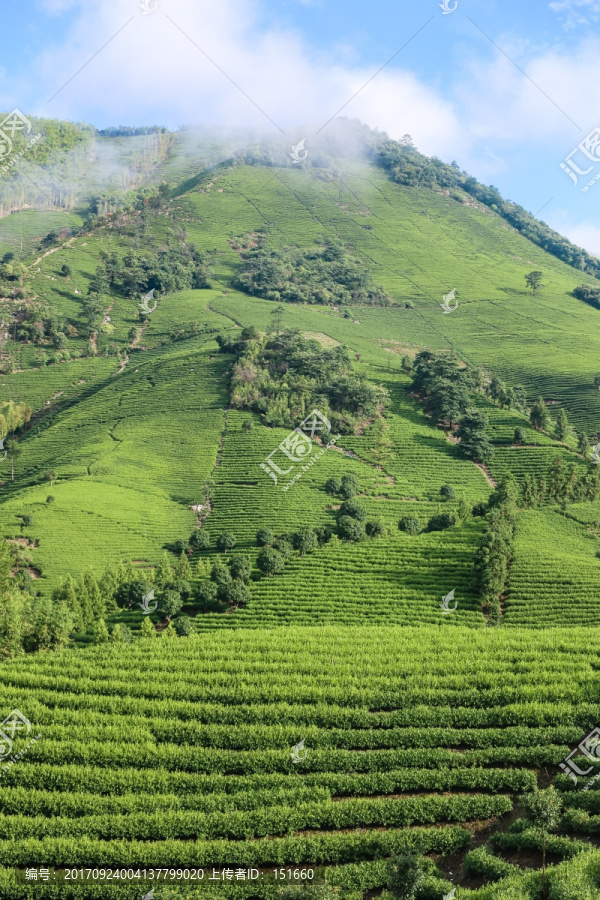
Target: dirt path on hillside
x=225 y=316
x=481 y=466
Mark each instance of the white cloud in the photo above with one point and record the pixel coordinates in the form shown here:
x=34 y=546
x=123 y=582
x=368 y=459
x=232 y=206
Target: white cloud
x=584 y=234
x=577 y=12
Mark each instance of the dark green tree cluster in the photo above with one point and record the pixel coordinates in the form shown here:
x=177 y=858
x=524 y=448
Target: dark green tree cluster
x=325 y=274
x=495 y=551
x=445 y=386
x=506 y=397
x=164 y=270
x=589 y=293
x=562 y=484
x=228 y=585
x=284 y=376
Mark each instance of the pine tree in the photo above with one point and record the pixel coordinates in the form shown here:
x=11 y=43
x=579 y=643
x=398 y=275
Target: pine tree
x=561 y=428
x=583 y=444
x=6 y=564
x=182 y=569
x=66 y=593
x=84 y=602
x=97 y=603
x=163 y=572
x=539 y=416
x=169 y=631
x=147 y=630
x=101 y=635
x=202 y=568
x=556 y=478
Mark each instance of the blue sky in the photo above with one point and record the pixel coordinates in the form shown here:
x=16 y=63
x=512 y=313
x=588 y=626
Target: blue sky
x=295 y=62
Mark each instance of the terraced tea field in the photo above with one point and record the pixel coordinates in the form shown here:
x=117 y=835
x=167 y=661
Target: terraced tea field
x=178 y=753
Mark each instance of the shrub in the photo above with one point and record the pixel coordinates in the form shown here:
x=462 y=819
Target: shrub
x=409 y=524
x=284 y=547
x=200 y=539
x=376 y=528
x=169 y=603
x=354 y=509
x=440 y=522
x=304 y=541
x=333 y=486
x=183 y=626
x=349 y=486
x=206 y=592
x=519 y=437
x=324 y=534
x=240 y=568
x=121 y=634
x=234 y=594
x=264 y=537
x=100 y=632
x=147 y=630
x=406 y=873
x=247 y=425
x=350 y=529
x=179 y=547
x=448 y=492
x=480 y=509
x=50 y=498
x=270 y=562
x=219 y=573
x=131 y=593
x=225 y=541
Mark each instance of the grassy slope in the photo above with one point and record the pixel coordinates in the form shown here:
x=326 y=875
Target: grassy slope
x=119 y=441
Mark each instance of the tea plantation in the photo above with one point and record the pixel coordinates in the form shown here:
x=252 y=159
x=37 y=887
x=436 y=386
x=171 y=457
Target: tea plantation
x=359 y=699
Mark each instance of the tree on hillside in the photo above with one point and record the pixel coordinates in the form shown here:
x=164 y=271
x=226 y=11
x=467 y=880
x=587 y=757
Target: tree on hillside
x=50 y=476
x=240 y=568
x=147 y=630
x=474 y=442
x=533 y=280
x=270 y=561
x=277 y=318
x=519 y=436
x=561 y=427
x=583 y=444
x=93 y=309
x=556 y=478
x=13 y=452
x=544 y=809
x=539 y=416
x=225 y=541
x=447 y=401
x=304 y=541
